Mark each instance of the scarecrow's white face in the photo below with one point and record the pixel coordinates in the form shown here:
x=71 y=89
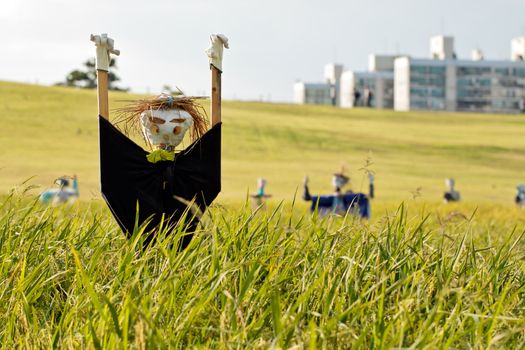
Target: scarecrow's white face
x=165 y=128
x=338 y=181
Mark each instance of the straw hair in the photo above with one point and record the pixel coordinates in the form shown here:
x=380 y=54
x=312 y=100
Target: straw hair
x=128 y=117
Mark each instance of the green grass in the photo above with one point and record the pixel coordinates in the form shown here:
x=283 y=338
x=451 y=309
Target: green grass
x=47 y=132
x=421 y=274
x=269 y=279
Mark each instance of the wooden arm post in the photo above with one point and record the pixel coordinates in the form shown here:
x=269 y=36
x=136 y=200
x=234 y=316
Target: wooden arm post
x=105 y=47
x=214 y=52
x=216 y=114
x=102 y=94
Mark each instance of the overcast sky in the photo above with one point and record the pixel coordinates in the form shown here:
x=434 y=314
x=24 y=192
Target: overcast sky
x=273 y=42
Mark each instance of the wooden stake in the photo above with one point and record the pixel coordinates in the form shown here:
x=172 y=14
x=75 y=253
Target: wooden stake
x=215 y=96
x=105 y=47
x=214 y=52
x=102 y=92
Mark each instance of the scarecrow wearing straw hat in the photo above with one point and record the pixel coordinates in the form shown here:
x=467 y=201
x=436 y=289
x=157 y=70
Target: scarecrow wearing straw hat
x=163 y=121
x=164 y=185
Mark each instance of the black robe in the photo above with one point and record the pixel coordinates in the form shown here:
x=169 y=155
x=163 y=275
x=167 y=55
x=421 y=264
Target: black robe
x=131 y=184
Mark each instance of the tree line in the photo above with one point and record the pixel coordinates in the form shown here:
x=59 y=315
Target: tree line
x=86 y=78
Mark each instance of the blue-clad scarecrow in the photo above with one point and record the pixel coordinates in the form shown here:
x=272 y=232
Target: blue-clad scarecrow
x=340 y=202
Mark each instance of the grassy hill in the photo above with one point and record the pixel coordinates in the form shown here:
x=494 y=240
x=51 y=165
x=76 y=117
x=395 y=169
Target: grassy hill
x=50 y=131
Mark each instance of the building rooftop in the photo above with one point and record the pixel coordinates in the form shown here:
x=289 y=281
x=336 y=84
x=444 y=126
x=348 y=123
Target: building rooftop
x=366 y=74
x=465 y=62
x=313 y=85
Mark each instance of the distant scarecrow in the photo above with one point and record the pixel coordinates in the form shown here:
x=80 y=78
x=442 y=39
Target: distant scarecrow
x=259 y=198
x=65 y=192
x=520 y=196
x=451 y=195
x=340 y=203
x=143 y=187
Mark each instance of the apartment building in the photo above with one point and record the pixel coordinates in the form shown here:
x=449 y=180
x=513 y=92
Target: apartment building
x=441 y=82
x=446 y=83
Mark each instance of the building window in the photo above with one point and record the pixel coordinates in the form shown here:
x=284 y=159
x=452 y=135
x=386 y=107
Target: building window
x=473 y=70
x=502 y=71
x=437 y=70
x=519 y=72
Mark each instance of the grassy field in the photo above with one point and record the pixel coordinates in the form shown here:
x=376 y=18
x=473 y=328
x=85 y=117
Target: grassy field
x=47 y=132
x=270 y=279
x=421 y=274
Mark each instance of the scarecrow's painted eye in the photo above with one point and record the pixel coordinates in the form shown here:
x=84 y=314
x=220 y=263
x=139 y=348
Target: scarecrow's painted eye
x=177 y=120
x=154 y=129
x=176 y=130
x=156 y=120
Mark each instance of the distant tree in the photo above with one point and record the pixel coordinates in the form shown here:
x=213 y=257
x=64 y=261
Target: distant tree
x=87 y=78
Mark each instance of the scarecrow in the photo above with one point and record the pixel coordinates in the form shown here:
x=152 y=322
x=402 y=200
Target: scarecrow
x=340 y=203
x=259 y=198
x=451 y=195
x=166 y=184
x=65 y=192
x=520 y=196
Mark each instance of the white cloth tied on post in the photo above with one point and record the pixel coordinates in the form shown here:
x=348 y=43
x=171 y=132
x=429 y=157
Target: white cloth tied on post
x=105 y=47
x=214 y=52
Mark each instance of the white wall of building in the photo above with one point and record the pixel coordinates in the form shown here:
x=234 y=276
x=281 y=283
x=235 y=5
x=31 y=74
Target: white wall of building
x=332 y=73
x=477 y=55
x=347 y=90
x=299 y=92
x=450 y=88
x=378 y=63
x=442 y=47
x=380 y=93
x=518 y=49
x=402 y=84
x=332 y=76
